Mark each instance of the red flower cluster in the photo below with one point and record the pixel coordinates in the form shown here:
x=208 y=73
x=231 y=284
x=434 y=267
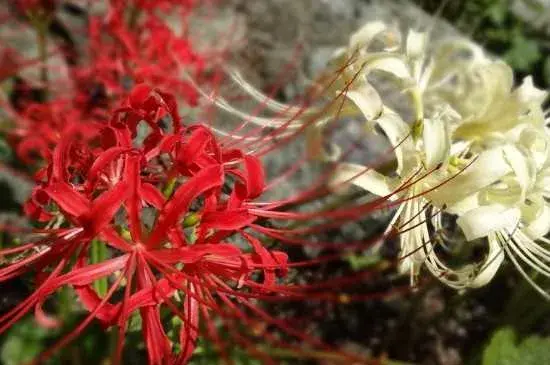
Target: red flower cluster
x=126 y=50
x=169 y=209
x=40 y=128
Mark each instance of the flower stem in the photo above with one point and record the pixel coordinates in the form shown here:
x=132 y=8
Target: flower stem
x=41 y=25
x=99 y=254
x=42 y=53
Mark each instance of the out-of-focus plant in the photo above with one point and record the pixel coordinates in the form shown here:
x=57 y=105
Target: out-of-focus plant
x=515 y=30
x=504 y=348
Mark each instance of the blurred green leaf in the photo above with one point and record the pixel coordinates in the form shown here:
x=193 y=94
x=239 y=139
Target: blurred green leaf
x=24 y=341
x=135 y=323
x=5 y=151
x=504 y=350
x=546 y=70
x=523 y=53
x=497 y=12
x=360 y=262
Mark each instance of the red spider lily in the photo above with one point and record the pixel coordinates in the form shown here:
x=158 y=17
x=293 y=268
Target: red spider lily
x=140 y=48
x=195 y=255
x=40 y=128
x=121 y=53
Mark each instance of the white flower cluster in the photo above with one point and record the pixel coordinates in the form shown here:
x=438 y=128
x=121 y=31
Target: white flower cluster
x=477 y=149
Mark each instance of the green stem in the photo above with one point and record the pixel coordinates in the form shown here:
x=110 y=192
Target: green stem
x=65 y=303
x=99 y=254
x=41 y=24
x=43 y=54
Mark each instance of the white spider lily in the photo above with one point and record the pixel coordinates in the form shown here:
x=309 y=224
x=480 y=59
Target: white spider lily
x=508 y=202
x=417 y=162
x=486 y=138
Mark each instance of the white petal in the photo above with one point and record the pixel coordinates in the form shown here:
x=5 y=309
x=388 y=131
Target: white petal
x=416 y=44
x=389 y=63
x=363 y=177
x=528 y=93
x=491 y=264
x=537 y=142
x=364 y=36
x=464 y=205
x=367 y=100
x=437 y=141
x=488 y=168
x=482 y=221
x=398 y=133
x=520 y=166
x=540 y=225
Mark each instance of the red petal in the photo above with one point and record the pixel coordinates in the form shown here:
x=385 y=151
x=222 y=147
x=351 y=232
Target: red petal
x=87 y=274
x=184 y=195
x=43 y=319
x=227 y=220
x=190 y=328
x=102 y=161
x=255 y=179
x=133 y=204
x=151 y=195
x=105 y=207
x=266 y=259
x=107 y=314
x=156 y=341
x=68 y=200
x=193 y=254
x=139 y=94
x=195 y=146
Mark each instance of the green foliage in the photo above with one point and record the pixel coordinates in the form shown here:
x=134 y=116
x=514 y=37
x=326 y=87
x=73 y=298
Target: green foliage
x=206 y=354
x=363 y=261
x=24 y=341
x=5 y=150
x=504 y=349
x=492 y=24
x=546 y=71
x=523 y=52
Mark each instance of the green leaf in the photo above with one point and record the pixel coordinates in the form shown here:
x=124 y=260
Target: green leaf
x=497 y=13
x=523 y=53
x=504 y=350
x=5 y=151
x=535 y=350
x=24 y=341
x=546 y=70
x=360 y=262
x=135 y=323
